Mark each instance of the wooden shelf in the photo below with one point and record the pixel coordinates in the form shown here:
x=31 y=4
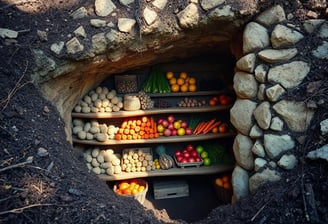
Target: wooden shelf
x=170 y=172
x=171 y=139
x=185 y=94
x=135 y=113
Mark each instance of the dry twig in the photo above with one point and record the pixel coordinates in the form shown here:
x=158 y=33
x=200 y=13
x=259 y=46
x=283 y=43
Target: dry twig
x=16 y=165
x=20 y=210
x=4 y=102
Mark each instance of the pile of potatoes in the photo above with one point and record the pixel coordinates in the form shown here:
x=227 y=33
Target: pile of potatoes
x=92 y=130
x=137 y=160
x=99 y=100
x=103 y=161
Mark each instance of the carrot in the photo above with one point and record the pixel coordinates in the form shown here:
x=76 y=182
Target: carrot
x=118 y=136
x=212 y=126
x=144 y=119
x=138 y=122
x=197 y=127
x=208 y=124
x=200 y=127
x=153 y=125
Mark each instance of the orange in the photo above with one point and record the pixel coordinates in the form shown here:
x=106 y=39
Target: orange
x=175 y=88
x=124 y=185
x=173 y=81
x=212 y=102
x=135 y=191
x=225 y=179
x=141 y=188
x=169 y=75
x=192 y=88
x=184 y=88
x=223 y=128
x=227 y=185
x=219 y=182
x=183 y=75
x=215 y=130
x=127 y=191
x=192 y=80
x=180 y=81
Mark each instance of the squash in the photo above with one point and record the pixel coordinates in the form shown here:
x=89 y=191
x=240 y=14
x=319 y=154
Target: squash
x=165 y=160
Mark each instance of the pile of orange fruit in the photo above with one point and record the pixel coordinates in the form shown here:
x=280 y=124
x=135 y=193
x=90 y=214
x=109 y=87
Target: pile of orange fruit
x=224 y=182
x=130 y=187
x=183 y=83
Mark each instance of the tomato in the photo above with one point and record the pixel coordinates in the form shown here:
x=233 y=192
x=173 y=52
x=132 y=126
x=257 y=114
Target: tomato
x=212 y=102
x=223 y=128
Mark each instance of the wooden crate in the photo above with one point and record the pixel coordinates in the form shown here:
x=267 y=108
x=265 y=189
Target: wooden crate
x=170 y=189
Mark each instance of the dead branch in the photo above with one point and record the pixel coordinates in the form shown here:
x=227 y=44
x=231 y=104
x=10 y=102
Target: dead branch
x=260 y=210
x=20 y=210
x=16 y=165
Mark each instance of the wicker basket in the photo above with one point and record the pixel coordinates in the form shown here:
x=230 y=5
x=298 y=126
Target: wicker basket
x=141 y=196
x=126 y=83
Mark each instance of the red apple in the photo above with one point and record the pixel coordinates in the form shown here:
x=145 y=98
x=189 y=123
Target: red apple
x=190 y=147
x=188 y=131
x=173 y=132
x=170 y=118
x=194 y=154
x=179 y=158
x=198 y=159
x=186 y=155
x=170 y=126
x=165 y=123
x=184 y=124
x=177 y=153
x=184 y=160
x=167 y=132
x=191 y=160
x=159 y=121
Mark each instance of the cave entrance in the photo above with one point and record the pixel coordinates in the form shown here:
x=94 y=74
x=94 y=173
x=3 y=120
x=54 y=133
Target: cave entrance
x=188 y=192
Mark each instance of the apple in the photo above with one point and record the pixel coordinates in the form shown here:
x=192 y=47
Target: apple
x=167 y=132
x=204 y=154
x=199 y=149
x=184 y=124
x=170 y=119
x=179 y=158
x=173 y=132
x=177 y=124
x=207 y=162
x=159 y=121
x=186 y=155
x=181 y=131
x=184 y=151
x=194 y=154
x=177 y=153
x=189 y=147
x=160 y=128
x=170 y=126
x=191 y=160
x=165 y=123
x=188 y=131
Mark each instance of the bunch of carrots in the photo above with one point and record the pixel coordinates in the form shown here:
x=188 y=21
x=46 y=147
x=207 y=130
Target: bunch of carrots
x=137 y=128
x=207 y=126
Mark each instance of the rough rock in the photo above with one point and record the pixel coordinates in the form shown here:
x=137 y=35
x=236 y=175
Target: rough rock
x=7 y=33
x=274 y=145
x=255 y=132
x=104 y=7
x=149 y=16
x=276 y=124
x=188 y=17
x=125 y=24
x=287 y=162
x=99 y=43
x=224 y=13
x=324 y=127
x=247 y=63
x=245 y=85
x=126 y=2
x=239 y=179
x=311 y=24
x=241 y=115
x=262 y=115
x=79 y=13
x=74 y=46
x=80 y=32
x=242 y=148
x=44 y=64
x=160 y=4
x=323 y=32
x=320 y=153
x=321 y=51
x=261 y=92
x=272 y=15
x=210 y=4
x=98 y=23
x=290 y=74
x=275 y=56
x=57 y=48
x=259 y=163
x=296 y=115
x=283 y=36
x=258 y=149
x=267 y=175
x=275 y=92
x=255 y=37
x=261 y=73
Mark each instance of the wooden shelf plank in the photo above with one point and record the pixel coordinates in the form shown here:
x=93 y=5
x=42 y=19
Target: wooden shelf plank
x=171 y=139
x=170 y=110
x=182 y=94
x=170 y=172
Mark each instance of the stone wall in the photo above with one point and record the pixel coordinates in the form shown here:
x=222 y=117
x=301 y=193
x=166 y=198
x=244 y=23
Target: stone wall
x=269 y=123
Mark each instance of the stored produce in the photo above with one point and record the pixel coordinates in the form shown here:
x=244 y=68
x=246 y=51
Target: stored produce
x=218 y=154
x=99 y=100
x=156 y=82
x=163 y=104
x=188 y=102
x=171 y=127
x=188 y=155
x=145 y=100
x=126 y=83
x=137 y=160
x=103 y=161
x=92 y=130
x=212 y=125
x=129 y=187
x=183 y=83
x=224 y=181
x=137 y=128
x=165 y=160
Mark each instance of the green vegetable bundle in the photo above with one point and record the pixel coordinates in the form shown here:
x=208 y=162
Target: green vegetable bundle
x=219 y=154
x=156 y=82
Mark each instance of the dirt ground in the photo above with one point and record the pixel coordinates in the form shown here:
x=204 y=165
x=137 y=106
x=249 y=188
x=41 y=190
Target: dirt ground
x=44 y=180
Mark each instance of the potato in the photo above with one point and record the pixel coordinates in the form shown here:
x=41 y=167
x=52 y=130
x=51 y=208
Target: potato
x=98 y=103
x=102 y=96
x=95 y=162
x=78 y=109
x=89 y=166
x=105 y=90
x=94 y=97
x=94 y=110
x=98 y=89
x=101 y=110
x=96 y=170
x=110 y=171
x=94 y=122
x=108 y=109
x=111 y=95
x=95 y=152
x=103 y=128
x=78 y=122
x=120 y=105
x=88 y=158
x=105 y=165
x=89 y=136
x=94 y=130
x=87 y=127
x=77 y=129
x=105 y=103
x=101 y=137
x=82 y=135
x=117 y=169
x=83 y=104
x=115 y=100
x=116 y=162
x=86 y=109
x=100 y=158
x=87 y=99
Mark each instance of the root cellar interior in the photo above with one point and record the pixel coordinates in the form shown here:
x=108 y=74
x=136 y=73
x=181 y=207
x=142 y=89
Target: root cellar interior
x=166 y=125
